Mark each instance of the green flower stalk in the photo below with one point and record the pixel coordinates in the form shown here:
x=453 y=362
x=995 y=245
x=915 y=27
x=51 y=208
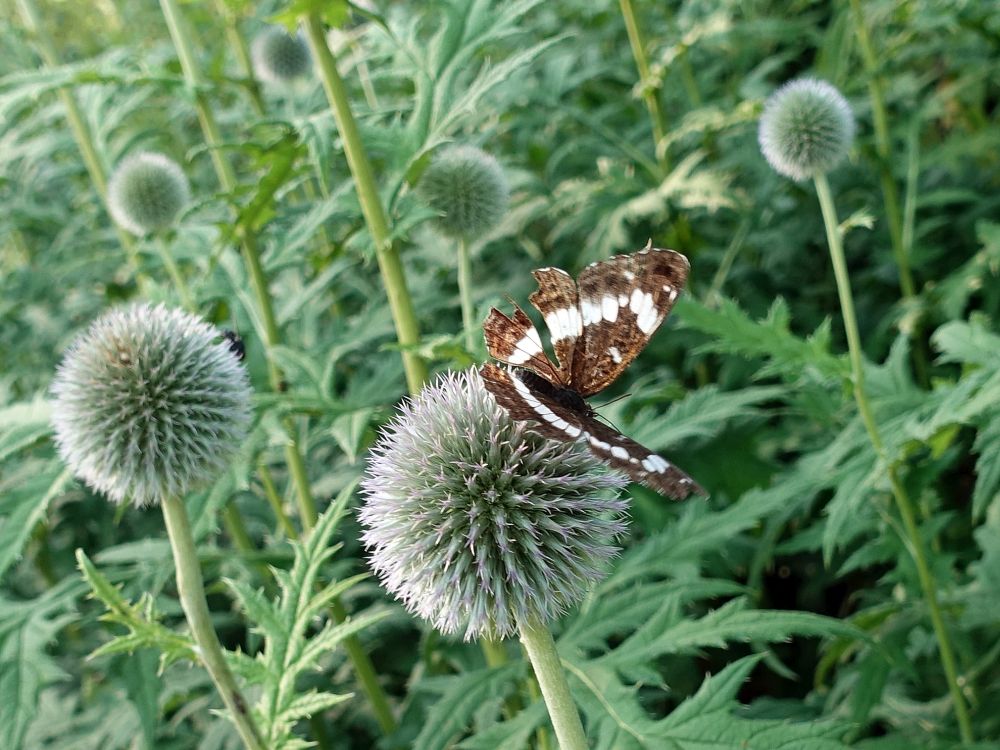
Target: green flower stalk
x=149 y=403
x=468 y=189
x=480 y=525
x=279 y=57
x=807 y=128
x=146 y=192
x=476 y=522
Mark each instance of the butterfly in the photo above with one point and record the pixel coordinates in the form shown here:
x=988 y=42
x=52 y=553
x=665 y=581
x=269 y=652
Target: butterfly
x=598 y=324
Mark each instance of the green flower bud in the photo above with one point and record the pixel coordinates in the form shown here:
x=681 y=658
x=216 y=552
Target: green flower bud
x=467 y=187
x=477 y=522
x=149 y=402
x=146 y=192
x=807 y=128
x=280 y=57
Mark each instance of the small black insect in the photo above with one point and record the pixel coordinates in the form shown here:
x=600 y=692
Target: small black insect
x=236 y=345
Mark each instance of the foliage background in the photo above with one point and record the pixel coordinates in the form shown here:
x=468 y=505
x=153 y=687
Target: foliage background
x=783 y=611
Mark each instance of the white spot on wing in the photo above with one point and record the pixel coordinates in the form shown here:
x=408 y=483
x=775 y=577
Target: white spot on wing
x=598 y=443
x=609 y=309
x=654 y=463
x=619 y=452
x=591 y=311
x=564 y=323
x=646 y=314
x=526 y=348
x=616 y=355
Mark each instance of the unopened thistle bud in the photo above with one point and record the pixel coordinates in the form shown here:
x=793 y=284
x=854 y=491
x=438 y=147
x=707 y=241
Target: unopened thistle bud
x=807 y=128
x=467 y=187
x=149 y=402
x=280 y=57
x=146 y=192
x=475 y=521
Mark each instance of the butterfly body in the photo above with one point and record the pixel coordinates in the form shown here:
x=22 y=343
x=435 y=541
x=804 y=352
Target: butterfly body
x=598 y=325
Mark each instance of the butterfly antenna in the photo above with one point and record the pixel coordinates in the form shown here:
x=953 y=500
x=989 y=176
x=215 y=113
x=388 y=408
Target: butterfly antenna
x=612 y=401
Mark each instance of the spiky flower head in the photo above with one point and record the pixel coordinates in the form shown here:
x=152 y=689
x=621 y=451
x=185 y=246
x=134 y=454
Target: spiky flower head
x=475 y=521
x=467 y=187
x=149 y=402
x=146 y=192
x=807 y=128
x=280 y=57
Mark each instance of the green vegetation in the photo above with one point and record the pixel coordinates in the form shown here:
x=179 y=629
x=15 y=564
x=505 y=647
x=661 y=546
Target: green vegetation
x=831 y=375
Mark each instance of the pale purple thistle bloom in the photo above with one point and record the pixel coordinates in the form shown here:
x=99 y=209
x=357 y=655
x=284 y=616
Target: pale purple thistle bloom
x=476 y=522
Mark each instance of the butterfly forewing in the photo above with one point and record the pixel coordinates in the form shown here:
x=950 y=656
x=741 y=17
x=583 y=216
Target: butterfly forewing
x=556 y=300
x=515 y=341
x=623 y=300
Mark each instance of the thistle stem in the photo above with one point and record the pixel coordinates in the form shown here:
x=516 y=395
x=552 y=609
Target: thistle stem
x=465 y=294
x=81 y=133
x=390 y=265
x=192 y=596
x=649 y=92
x=537 y=641
x=174 y=271
x=890 y=192
x=248 y=241
x=251 y=255
x=914 y=540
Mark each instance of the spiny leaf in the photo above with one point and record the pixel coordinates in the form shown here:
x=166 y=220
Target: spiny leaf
x=787 y=356
x=461 y=697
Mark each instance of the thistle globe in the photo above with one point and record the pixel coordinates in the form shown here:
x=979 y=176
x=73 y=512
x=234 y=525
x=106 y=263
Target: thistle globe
x=807 y=128
x=280 y=57
x=475 y=521
x=148 y=403
x=146 y=192
x=468 y=189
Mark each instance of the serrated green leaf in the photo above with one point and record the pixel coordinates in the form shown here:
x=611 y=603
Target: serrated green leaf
x=460 y=697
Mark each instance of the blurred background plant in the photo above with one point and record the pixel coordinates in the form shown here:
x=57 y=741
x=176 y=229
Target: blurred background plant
x=792 y=587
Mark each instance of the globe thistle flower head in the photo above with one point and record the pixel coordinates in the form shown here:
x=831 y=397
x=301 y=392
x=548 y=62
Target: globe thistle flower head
x=149 y=402
x=476 y=522
x=280 y=57
x=146 y=192
x=468 y=189
x=807 y=128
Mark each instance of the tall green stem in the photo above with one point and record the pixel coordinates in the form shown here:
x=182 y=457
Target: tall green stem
x=537 y=641
x=251 y=255
x=174 y=271
x=649 y=92
x=81 y=131
x=914 y=539
x=465 y=294
x=890 y=192
x=248 y=242
x=192 y=595
x=390 y=265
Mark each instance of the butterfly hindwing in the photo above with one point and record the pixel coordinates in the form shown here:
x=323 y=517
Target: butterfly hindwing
x=640 y=463
x=623 y=300
x=529 y=398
